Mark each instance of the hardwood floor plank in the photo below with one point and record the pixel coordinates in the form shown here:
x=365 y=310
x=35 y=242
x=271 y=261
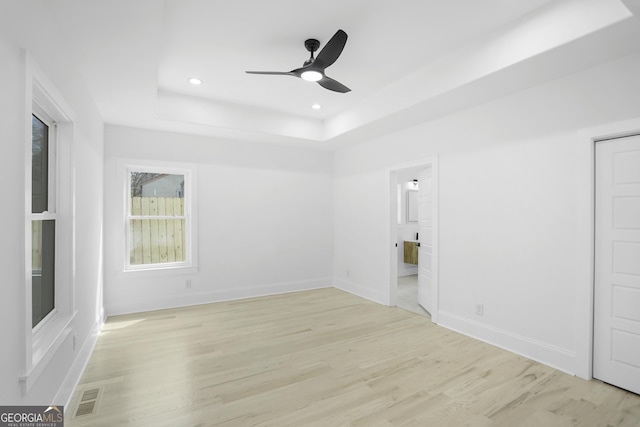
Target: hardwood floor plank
x=324 y=358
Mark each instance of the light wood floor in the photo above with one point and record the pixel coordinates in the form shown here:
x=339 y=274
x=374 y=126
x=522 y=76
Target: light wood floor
x=324 y=358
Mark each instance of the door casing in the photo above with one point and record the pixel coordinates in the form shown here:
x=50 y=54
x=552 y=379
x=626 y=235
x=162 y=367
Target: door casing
x=585 y=237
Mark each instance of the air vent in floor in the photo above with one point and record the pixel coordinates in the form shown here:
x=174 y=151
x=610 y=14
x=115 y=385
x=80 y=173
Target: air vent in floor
x=88 y=402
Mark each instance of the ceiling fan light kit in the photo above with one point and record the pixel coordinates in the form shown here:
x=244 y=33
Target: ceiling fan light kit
x=311 y=75
x=313 y=69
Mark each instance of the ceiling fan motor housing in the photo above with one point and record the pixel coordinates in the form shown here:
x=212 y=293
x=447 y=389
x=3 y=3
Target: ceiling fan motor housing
x=312 y=45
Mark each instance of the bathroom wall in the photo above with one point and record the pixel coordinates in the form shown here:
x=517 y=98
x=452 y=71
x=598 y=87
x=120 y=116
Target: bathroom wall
x=405 y=230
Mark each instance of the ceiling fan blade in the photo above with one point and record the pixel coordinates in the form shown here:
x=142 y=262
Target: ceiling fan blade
x=272 y=73
x=331 y=51
x=329 y=83
x=298 y=71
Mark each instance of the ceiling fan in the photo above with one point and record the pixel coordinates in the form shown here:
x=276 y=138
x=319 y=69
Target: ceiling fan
x=313 y=68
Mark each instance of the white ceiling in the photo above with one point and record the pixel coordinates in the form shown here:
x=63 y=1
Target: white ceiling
x=405 y=61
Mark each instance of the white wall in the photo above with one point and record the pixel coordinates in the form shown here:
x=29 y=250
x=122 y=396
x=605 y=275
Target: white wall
x=27 y=25
x=509 y=182
x=265 y=220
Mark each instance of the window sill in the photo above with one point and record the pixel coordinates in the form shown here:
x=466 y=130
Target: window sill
x=45 y=344
x=158 y=272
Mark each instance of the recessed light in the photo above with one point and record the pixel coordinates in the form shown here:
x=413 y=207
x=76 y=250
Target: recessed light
x=195 y=81
x=316 y=106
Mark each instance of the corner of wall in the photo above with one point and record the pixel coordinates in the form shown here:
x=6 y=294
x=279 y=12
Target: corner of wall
x=361 y=291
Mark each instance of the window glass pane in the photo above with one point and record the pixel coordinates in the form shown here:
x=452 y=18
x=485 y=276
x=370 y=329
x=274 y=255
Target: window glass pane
x=39 y=165
x=157 y=218
x=155 y=194
x=157 y=241
x=42 y=269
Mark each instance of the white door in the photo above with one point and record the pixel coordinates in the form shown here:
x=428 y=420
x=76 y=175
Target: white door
x=425 y=234
x=616 y=350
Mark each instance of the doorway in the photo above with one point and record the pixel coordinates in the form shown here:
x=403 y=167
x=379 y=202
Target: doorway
x=413 y=238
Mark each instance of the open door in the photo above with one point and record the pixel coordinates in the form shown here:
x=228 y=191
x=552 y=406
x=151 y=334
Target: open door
x=425 y=234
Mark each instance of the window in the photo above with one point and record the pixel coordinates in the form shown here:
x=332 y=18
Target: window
x=48 y=228
x=43 y=218
x=158 y=219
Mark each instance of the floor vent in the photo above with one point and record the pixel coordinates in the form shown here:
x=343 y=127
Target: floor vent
x=86 y=408
x=88 y=402
x=90 y=395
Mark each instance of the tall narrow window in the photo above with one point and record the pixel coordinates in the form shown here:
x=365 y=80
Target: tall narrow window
x=49 y=240
x=43 y=220
x=158 y=218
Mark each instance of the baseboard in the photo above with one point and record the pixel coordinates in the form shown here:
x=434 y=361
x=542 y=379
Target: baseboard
x=189 y=299
x=71 y=380
x=361 y=291
x=547 y=354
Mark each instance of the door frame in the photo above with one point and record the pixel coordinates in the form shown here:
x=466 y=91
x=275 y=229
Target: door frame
x=392 y=173
x=585 y=237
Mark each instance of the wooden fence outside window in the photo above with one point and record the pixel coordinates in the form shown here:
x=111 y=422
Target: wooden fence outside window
x=159 y=237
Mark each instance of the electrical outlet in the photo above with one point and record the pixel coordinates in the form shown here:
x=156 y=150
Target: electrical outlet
x=187 y=284
x=480 y=309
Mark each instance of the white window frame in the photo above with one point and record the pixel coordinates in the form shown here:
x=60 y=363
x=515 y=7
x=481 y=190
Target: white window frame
x=189 y=171
x=43 y=342
x=51 y=212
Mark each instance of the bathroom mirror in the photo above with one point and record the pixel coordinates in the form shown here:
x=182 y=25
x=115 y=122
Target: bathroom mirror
x=412 y=205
